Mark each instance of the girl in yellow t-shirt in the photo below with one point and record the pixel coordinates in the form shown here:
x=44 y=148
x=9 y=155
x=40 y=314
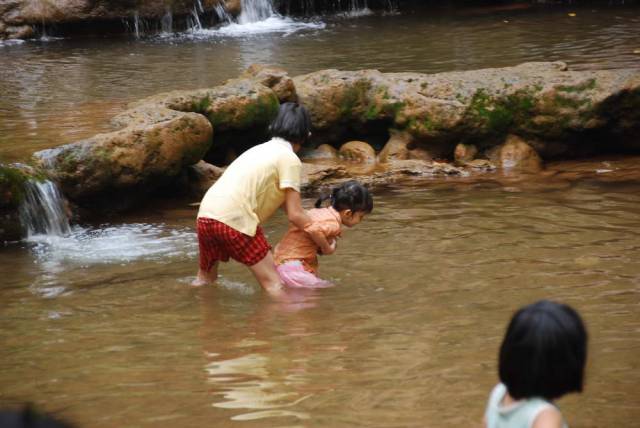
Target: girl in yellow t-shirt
x=259 y=181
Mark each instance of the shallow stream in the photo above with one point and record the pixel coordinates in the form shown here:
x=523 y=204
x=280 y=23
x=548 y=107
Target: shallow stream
x=104 y=328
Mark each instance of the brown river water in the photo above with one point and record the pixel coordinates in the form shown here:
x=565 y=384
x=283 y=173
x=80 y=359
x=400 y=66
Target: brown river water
x=102 y=327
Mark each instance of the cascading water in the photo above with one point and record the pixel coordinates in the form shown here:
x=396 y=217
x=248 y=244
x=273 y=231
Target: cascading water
x=260 y=17
x=42 y=211
x=167 y=22
x=136 y=25
x=255 y=11
x=222 y=14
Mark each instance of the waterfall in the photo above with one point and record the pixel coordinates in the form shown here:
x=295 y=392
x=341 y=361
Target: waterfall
x=167 y=22
x=195 y=21
x=136 y=24
x=42 y=210
x=357 y=9
x=222 y=14
x=196 y=25
x=255 y=11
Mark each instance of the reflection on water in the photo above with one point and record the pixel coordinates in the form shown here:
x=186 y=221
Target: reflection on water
x=60 y=91
x=407 y=337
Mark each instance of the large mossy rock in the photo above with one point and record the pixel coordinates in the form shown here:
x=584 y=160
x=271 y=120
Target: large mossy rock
x=239 y=104
x=162 y=134
x=13 y=179
x=537 y=100
x=139 y=155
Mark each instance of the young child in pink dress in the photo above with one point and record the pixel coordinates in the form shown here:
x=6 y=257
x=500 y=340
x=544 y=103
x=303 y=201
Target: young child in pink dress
x=296 y=256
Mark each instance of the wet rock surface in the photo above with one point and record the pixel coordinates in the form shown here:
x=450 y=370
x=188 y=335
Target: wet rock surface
x=140 y=155
x=490 y=123
x=544 y=101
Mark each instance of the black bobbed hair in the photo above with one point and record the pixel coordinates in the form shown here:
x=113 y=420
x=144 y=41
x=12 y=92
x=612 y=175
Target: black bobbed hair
x=292 y=123
x=350 y=195
x=544 y=352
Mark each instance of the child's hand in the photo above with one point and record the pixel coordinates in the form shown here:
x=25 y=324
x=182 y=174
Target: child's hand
x=330 y=249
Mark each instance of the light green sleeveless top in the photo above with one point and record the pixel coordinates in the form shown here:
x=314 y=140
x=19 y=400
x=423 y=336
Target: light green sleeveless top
x=520 y=414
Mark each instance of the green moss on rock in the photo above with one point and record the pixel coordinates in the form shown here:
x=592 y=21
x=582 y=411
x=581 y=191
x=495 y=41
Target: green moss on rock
x=581 y=87
x=12 y=184
x=499 y=114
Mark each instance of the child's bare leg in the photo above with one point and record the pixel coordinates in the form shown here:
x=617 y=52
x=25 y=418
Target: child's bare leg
x=266 y=274
x=205 y=278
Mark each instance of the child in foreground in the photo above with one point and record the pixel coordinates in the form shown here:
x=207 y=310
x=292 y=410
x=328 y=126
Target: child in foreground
x=296 y=255
x=542 y=358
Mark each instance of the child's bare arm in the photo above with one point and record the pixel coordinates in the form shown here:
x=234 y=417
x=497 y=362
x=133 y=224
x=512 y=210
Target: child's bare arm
x=298 y=216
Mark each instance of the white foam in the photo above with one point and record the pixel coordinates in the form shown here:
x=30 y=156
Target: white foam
x=273 y=24
x=12 y=42
x=112 y=245
x=356 y=13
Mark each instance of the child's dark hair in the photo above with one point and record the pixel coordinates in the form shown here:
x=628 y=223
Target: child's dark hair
x=544 y=351
x=292 y=123
x=350 y=195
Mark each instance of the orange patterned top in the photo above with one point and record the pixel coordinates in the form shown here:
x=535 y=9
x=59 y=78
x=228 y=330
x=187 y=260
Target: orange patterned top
x=298 y=245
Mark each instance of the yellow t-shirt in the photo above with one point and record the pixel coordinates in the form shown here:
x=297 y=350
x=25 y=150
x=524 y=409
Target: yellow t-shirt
x=253 y=186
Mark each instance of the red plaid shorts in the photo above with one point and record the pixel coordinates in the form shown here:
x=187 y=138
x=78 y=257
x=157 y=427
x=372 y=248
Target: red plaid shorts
x=217 y=241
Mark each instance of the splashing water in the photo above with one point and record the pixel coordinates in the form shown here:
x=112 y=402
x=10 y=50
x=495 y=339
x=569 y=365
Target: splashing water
x=255 y=11
x=65 y=260
x=114 y=244
x=257 y=17
x=42 y=211
x=167 y=22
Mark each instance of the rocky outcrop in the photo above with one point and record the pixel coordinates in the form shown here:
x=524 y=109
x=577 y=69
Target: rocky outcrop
x=511 y=118
x=139 y=155
x=542 y=101
x=18 y=16
x=161 y=135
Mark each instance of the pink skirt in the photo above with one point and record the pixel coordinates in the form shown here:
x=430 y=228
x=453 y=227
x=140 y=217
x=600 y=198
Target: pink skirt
x=293 y=274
